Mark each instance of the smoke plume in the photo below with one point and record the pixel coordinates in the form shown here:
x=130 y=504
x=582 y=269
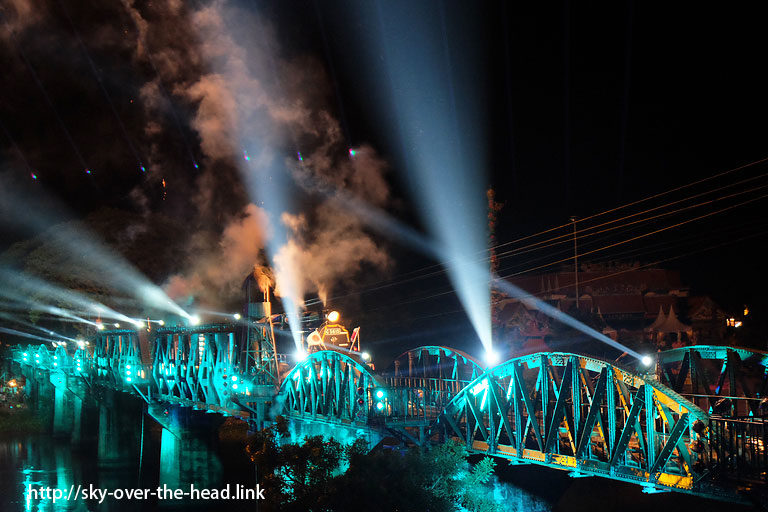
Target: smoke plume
x=221 y=114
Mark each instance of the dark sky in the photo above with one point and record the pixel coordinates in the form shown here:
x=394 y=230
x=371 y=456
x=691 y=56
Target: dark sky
x=587 y=106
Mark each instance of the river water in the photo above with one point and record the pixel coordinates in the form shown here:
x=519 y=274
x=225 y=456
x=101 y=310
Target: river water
x=41 y=461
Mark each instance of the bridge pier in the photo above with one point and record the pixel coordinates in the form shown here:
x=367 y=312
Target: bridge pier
x=108 y=439
x=62 y=413
x=77 y=419
x=187 y=446
x=118 y=428
x=63 y=410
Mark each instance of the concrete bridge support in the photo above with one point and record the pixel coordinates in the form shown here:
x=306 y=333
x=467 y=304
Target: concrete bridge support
x=108 y=437
x=188 y=446
x=77 y=419
x=62 y=413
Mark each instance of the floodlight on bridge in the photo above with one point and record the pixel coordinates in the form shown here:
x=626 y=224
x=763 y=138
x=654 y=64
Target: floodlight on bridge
x=333 y=316
x=491 y=357
x=300 y=355
x=194 y=320
x=237 y=316
x=366 y=356
x=646 y=360
x=100 y=326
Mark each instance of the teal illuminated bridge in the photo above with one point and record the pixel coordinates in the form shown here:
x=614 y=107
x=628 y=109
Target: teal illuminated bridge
x=693 y=423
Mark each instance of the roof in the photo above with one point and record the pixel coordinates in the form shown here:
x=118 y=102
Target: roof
x=660 y=319
x=655 y=303
x=619 y=304
x=672 y=324
x=601 y=282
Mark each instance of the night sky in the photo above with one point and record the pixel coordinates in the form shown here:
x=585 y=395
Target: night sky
x=576 y=108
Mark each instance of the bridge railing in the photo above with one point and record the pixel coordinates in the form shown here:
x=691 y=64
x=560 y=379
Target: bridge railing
x=738 y=448
x=728 y=406
x=401 y=406
x=437 y=393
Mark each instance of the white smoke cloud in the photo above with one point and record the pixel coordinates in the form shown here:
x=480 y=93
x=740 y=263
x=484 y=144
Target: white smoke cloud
x=246 y=95
x=218 y=272
x=18 y=15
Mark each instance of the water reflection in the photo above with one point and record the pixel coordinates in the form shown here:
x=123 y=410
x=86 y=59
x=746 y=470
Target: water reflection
x=42 y=462
x=38 y=462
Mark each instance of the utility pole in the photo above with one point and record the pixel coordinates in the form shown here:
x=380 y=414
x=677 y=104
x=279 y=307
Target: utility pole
x=575 y=261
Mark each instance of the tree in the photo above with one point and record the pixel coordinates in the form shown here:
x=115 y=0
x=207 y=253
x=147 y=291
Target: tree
x=311 y=476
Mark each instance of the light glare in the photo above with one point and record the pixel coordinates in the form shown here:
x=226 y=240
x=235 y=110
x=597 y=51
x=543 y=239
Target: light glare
x=491 y=357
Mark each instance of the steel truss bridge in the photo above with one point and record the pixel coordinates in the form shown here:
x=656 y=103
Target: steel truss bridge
x=695 y=424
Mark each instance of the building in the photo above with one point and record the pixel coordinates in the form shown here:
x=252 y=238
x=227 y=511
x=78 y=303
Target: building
x=624 y=301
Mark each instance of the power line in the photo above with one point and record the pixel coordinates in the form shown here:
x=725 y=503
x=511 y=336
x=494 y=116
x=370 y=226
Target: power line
x=403 y=278
x=648 y=234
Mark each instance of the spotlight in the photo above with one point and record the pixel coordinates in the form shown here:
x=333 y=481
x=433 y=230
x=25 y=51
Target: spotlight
x=237 y=316
x=300 y=355
x=137 y=323
x=117 y=325
x=194 y=320
x=161 y=322
x=366 y=356
x=100 y=326
x=646 y=360
x=491 y=357
x=333 y=317
x=80 y=344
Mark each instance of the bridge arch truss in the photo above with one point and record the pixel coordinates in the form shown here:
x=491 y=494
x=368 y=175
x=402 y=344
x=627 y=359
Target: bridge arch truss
x=583 y=415
x=725 y=381
x=329 y=386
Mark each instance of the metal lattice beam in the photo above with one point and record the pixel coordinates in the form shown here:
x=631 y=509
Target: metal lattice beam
x=581 y=414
